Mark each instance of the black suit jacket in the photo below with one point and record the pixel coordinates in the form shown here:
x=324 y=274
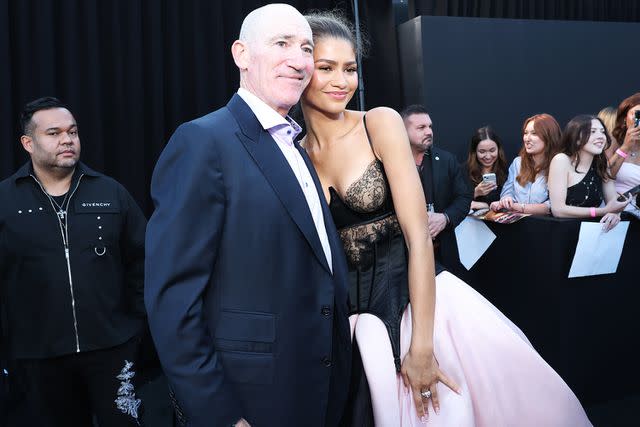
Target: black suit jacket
x=451 y=196
x=246 y=315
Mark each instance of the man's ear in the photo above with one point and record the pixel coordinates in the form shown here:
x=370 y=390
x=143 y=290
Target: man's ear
x=240 y=52
x=27 y=143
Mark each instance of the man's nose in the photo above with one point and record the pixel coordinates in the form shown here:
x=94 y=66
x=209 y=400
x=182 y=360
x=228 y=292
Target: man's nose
x=299 y=61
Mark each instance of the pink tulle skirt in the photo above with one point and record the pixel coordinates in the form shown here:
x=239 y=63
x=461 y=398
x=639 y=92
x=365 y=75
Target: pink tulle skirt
x=503 y=380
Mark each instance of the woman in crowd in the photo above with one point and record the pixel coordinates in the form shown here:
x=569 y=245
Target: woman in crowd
x=579 y=179
x=526 y=190
x=486 y=156
x=625 y=131
x=608 y=117
x=489 y=373
x=624 y=159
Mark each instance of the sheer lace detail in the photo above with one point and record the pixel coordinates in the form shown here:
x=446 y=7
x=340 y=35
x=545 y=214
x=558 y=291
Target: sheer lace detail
x=367 y=193
x=359 y=240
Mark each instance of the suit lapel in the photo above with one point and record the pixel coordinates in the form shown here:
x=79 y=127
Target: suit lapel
x=337 y=255
x=276 y=169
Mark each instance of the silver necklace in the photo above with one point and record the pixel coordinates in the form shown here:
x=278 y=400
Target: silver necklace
x=62 y=209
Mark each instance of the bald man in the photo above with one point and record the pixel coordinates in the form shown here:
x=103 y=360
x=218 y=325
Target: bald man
x=245 y=276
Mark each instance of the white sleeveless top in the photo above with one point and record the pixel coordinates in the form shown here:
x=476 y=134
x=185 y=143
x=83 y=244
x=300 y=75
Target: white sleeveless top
x=627 y=178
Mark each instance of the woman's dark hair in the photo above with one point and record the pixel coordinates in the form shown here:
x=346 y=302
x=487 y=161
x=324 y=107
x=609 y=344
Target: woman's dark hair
x=333 y=24
x=473 y=165
x=576 y=134
x=620 y=130
x=548 y=130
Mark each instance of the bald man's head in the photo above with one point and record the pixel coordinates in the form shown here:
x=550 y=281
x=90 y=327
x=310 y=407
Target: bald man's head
x=267 y=15
x=275 y=55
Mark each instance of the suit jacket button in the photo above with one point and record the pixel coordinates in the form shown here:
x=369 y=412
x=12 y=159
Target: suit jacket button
x=326 y=362
x=326 y=310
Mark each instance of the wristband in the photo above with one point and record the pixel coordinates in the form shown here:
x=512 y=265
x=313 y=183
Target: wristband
x=621 y=153
x=592 y=211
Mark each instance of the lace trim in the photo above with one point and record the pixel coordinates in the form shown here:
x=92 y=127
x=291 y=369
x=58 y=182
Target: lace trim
x=359 y=240
x=367 y=193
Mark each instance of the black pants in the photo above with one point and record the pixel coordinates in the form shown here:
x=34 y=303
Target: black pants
x=69 y=391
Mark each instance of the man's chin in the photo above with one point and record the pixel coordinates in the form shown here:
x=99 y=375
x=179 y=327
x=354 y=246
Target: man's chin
x=67 y=164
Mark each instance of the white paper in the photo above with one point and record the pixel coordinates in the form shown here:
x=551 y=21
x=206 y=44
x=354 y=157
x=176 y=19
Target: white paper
x=474 y=238
x=598 y=252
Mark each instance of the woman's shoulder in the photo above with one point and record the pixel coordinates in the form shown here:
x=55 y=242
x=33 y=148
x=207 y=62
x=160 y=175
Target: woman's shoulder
x=384 y=124
x=382 y=112
x=560 y=159
x=380 y=117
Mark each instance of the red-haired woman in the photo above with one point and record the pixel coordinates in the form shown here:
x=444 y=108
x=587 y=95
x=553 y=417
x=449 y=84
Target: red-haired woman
x=526 y=187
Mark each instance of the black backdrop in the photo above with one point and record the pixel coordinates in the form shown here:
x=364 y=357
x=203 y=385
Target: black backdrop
x=132 y=70
x=501 y=71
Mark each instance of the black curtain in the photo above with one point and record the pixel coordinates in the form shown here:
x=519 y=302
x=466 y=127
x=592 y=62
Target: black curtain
x=130 y=70
x=580 y=10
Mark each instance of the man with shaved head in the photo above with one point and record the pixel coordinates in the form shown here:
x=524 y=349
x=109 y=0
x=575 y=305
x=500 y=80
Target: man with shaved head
x=246 y=279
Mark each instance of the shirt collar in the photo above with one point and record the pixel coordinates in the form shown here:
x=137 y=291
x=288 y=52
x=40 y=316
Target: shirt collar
x=27 y=170
x=267 y=116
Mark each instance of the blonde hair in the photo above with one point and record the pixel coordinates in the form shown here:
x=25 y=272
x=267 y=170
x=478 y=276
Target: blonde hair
x=608 y=117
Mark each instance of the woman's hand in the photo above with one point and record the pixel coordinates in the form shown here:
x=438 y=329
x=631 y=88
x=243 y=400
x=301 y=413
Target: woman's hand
x=631 y=139
x=479 y=205
x=484 y=188
x=609 y=221
x=420 y=372
x=504 y=203
x=614 y=206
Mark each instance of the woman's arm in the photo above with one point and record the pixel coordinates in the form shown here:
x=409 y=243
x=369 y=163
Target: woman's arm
x=531 y=208
x=391 y=146
x=507 y=188
x=631 y=143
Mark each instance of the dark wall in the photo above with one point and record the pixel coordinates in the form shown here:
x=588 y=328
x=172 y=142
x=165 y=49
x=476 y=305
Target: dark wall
x=581 y=10
x=470 y=72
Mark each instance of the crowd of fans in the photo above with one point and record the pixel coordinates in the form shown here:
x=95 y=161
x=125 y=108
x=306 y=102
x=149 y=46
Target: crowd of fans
x=589 y=170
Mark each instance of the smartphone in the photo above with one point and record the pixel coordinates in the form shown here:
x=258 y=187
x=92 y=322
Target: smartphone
x=636 y=121
x=632 y=192
x=489 y=177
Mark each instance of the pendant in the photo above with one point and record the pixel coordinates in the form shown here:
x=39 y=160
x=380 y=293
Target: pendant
x=61 y=214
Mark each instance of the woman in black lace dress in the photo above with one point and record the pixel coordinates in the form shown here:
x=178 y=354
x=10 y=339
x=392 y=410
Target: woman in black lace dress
x=449 y=355
x=579 y=179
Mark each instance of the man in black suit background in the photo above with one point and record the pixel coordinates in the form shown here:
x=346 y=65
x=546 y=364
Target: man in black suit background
x=445 y=189
x=247 y=282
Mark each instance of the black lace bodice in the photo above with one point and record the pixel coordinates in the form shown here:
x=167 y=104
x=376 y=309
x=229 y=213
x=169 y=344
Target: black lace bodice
x=365 y=215
x=586 y=193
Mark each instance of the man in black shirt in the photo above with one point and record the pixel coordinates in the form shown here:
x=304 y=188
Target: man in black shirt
x=71 y=275
x=445 y=189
